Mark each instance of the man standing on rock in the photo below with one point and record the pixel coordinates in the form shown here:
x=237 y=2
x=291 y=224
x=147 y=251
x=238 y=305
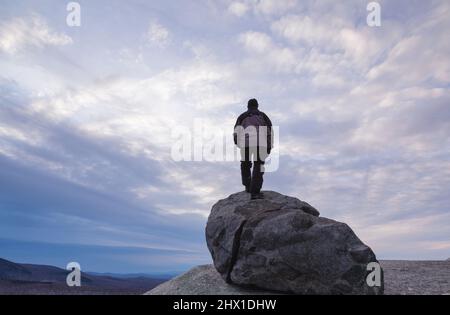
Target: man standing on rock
x=253 y=134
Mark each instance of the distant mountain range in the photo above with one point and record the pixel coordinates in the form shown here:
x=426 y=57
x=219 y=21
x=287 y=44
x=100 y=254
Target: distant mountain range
x=16 y=278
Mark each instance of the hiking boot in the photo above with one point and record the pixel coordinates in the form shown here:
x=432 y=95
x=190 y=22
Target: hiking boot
x=247 y=188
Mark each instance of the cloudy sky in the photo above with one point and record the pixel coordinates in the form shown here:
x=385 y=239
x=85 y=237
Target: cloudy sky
x=86 y=114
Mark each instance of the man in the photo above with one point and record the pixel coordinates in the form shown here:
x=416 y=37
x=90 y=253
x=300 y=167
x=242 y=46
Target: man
x=253 y=134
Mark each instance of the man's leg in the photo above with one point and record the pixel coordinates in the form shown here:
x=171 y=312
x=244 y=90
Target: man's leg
x=257 y=174
x=246 y=166
x=257 y=178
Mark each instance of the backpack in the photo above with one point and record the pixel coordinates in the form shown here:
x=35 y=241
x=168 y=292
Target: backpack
x=254 y=119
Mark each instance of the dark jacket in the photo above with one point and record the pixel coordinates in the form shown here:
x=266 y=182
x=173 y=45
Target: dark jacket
x=261 y=118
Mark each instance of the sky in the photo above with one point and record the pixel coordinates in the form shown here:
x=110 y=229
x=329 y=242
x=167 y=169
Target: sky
x=86 y=114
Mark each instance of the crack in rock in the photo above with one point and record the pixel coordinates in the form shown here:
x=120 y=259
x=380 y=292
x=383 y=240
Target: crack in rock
x=237 y=242
x=235 y=250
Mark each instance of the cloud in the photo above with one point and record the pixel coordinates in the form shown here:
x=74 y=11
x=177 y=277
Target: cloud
x=356 y=45
x=94 y=115
x=256 y=41
x=261 y=7
x=422 y=56
x=362 y=112
x=302 y=27
x=261 y=47
x=31 y=31
x=238 y=8
x=273 y=6
x=158 y=34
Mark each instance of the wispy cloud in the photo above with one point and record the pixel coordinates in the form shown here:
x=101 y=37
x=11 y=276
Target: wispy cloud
x=32 y=31
x=85 y=132
x=158 y=34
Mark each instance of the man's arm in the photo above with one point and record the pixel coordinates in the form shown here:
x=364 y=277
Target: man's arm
x=238 y=123
x=269 y=132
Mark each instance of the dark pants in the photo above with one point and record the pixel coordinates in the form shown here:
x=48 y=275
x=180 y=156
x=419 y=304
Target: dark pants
x=254 y=179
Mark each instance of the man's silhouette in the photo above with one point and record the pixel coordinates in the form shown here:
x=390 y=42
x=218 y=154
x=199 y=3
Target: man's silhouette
x=253 y=134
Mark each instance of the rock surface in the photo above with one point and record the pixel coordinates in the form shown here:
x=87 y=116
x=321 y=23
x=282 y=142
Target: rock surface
x=281 y=244
x=401 y=277
x=421 y=277
x=202 y=280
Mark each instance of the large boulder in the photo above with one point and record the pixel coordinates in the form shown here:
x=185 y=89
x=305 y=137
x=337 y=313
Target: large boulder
x=280 y=243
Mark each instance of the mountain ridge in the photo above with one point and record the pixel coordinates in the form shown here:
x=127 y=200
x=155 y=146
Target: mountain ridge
x=24 y=278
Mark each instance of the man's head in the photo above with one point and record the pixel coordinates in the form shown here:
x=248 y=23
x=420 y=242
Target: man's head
x=252 y=104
